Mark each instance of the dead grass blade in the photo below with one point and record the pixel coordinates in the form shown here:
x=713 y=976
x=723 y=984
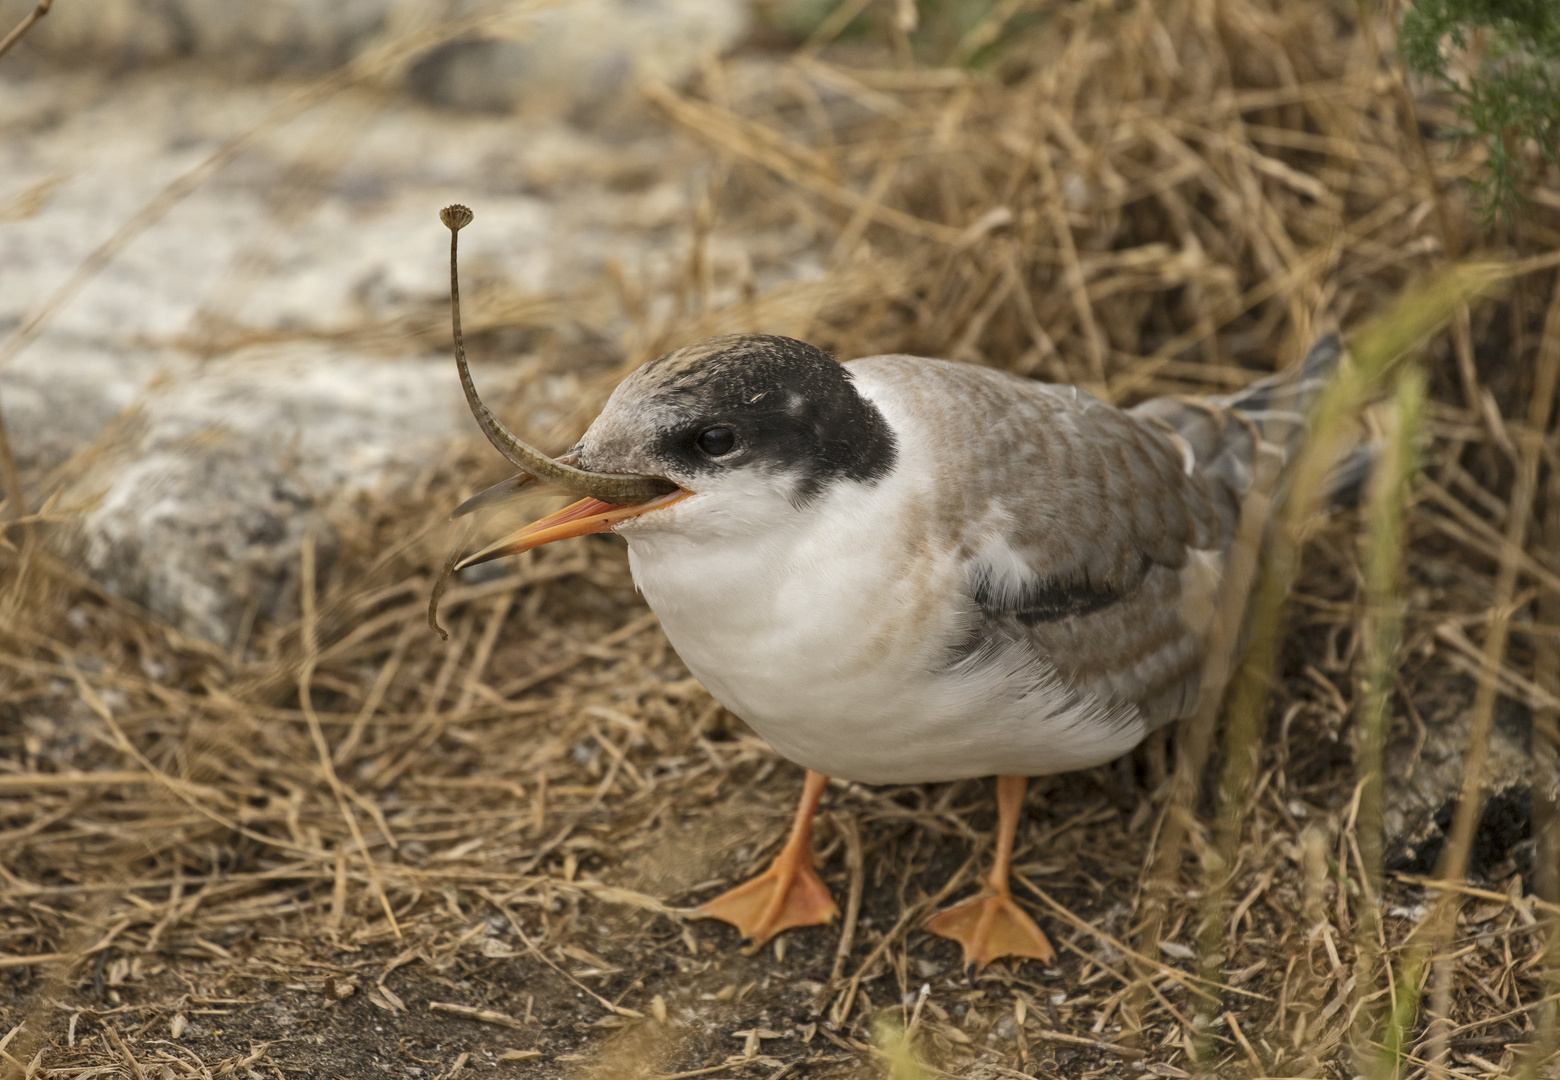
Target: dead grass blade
x=39 y=11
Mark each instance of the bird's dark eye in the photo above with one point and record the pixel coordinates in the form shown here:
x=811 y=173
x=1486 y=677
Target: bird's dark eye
x=716 y=441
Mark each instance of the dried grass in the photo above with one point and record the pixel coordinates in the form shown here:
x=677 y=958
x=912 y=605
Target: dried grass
x=1140 y=199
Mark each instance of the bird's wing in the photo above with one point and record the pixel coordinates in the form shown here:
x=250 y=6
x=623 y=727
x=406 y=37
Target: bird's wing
x=1088 y=535
x=1120 y=539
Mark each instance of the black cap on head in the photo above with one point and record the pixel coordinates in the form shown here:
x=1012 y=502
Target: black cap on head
x=755 y=401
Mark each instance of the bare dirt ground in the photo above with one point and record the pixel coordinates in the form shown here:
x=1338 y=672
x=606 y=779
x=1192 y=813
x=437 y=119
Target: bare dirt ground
x=337 y=846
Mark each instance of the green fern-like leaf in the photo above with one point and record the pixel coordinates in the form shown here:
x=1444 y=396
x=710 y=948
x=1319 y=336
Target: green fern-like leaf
x=1511 y=96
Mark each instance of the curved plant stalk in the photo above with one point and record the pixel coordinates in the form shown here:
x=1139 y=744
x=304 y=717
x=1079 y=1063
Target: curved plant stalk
x=608 y=487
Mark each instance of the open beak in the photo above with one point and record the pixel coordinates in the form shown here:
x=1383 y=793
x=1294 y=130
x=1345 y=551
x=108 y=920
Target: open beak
x=505 y=490
x=577 y=519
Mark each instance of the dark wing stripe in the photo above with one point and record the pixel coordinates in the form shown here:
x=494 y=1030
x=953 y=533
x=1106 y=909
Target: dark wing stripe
x=1052 y=599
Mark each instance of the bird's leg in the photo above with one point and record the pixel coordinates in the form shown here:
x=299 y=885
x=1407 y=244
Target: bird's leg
x=790 y=893
x=992 y=924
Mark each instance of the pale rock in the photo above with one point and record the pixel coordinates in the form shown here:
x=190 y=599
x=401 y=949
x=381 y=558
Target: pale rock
x=564 y=54
x=278 y=341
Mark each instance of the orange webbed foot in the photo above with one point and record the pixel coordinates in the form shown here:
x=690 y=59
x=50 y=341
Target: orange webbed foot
x=790 y=893
x=990 y=927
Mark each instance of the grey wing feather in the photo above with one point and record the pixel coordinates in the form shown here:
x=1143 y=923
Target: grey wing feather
x=1108 y=497
x=1099 y=516
x=1124 y=523
x=1227 y=434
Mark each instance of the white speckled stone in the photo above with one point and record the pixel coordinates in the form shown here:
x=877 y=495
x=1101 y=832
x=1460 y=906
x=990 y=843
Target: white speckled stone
x=247 y=360
x=564 y=54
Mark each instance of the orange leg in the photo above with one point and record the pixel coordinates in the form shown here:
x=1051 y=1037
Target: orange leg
x=992 y=924
x=790 y=893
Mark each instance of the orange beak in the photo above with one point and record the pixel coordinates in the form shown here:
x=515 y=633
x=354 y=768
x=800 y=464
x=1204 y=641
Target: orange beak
x=577 y=519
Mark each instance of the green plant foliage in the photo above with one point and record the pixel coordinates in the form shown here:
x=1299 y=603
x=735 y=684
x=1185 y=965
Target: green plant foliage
x=1510 y=95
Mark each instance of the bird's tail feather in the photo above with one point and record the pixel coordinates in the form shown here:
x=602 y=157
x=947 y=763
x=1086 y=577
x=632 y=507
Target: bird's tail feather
x=1228 y=435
